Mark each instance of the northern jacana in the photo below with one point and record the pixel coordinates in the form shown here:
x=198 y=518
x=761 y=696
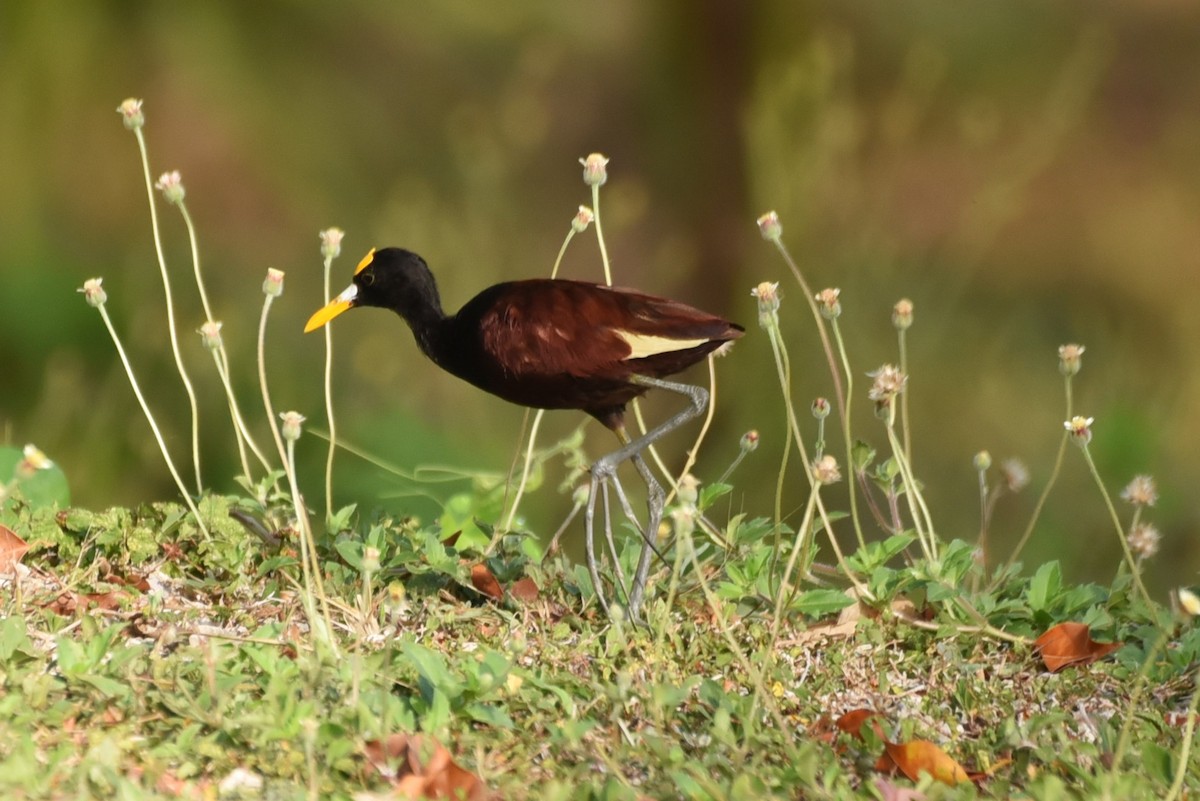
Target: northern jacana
x=554 y=344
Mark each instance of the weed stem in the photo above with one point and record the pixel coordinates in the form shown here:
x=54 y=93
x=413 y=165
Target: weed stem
x=1189 y=729
x=329 y=401
x=158 y=437
x=1041 y=501
x=847 y=440
x=1133 y=568
x=162 y=266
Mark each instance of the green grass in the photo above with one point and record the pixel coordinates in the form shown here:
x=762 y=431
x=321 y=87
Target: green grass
x=138 y=656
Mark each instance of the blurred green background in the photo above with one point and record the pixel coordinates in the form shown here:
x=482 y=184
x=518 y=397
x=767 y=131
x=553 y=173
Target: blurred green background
x=1027 y=172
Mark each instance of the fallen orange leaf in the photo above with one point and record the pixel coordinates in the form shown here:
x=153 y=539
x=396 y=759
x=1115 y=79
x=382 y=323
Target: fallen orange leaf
x=437 y=777
x=921 y=755
x=485 y=582
x=12 y=548
x=441 y=778
x=852 y=722
x=524 y=590
x=1071 y=644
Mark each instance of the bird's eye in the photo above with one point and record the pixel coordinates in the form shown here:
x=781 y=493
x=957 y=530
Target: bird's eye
x=367 y=278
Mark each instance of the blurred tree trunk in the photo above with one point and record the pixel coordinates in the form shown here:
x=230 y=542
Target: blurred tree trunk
x=705 y=64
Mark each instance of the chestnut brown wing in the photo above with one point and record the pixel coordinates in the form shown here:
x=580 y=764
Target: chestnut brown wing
x=573 y=345
x=558 y=327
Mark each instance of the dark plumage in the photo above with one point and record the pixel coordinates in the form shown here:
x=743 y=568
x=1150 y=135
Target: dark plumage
x=555 y=344
x=544 y=343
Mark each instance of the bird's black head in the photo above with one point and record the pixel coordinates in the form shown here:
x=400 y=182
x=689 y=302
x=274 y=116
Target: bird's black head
x=390 y=278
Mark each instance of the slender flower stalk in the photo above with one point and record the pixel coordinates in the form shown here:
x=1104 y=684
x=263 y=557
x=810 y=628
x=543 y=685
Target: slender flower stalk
x=918 y=509
x=171 y=185
x=526 y=469
x=693 y=453
x=772 y=231
x=982 y=462
x=370 y=567
x=272 y=288
x=1135 y=698
x=847 y=441
x=595 y=174
x=131 y=112
x=825 y=471
x=902 y=319
x=1069 y=364
x=802 y=544
x=95 y=295
x=746 y=445
x=767 y=294
x=579 y=499
x=579 y=223
x=1185 y=753
x=310 y=563
x=210 y=334
x=331 y=248
x=687 y=551
x=1079 y=430
x=890 y=383
x=241 y=429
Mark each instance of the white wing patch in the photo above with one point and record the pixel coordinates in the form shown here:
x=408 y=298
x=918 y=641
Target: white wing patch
x=643 y=345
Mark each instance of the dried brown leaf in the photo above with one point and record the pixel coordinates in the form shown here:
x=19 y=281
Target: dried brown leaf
x=524 y=590
x=852 y=722
x=416 y=776
x=1071 y=643
x=12 y=548
x=486 y=583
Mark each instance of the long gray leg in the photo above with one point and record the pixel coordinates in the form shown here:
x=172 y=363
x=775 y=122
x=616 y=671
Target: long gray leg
x=605 y=468
x=589 y=528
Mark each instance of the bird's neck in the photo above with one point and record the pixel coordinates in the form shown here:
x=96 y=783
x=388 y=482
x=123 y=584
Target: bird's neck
x=428 y=324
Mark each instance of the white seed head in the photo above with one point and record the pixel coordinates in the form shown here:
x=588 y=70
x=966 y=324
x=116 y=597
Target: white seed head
x=273 y=285
x=825 y=470
x=171 y=185
x=131 y=113
x=769 y=226
x=93 y=293
x=1140 y=491
x=1070 y=359
x=583 y=218
x=292 y=422
x=595 y=169
x=331 y=242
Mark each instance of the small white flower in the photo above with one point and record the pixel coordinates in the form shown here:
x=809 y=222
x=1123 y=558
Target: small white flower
x=889 y=382
x=292 y=422
x=1144 y=540
x=93 y=293
x=769 y=226
x=1140 y=491
x=331 y=242
x=595 y=169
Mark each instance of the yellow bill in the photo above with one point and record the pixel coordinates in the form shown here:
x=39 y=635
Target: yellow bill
x=332 y=309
